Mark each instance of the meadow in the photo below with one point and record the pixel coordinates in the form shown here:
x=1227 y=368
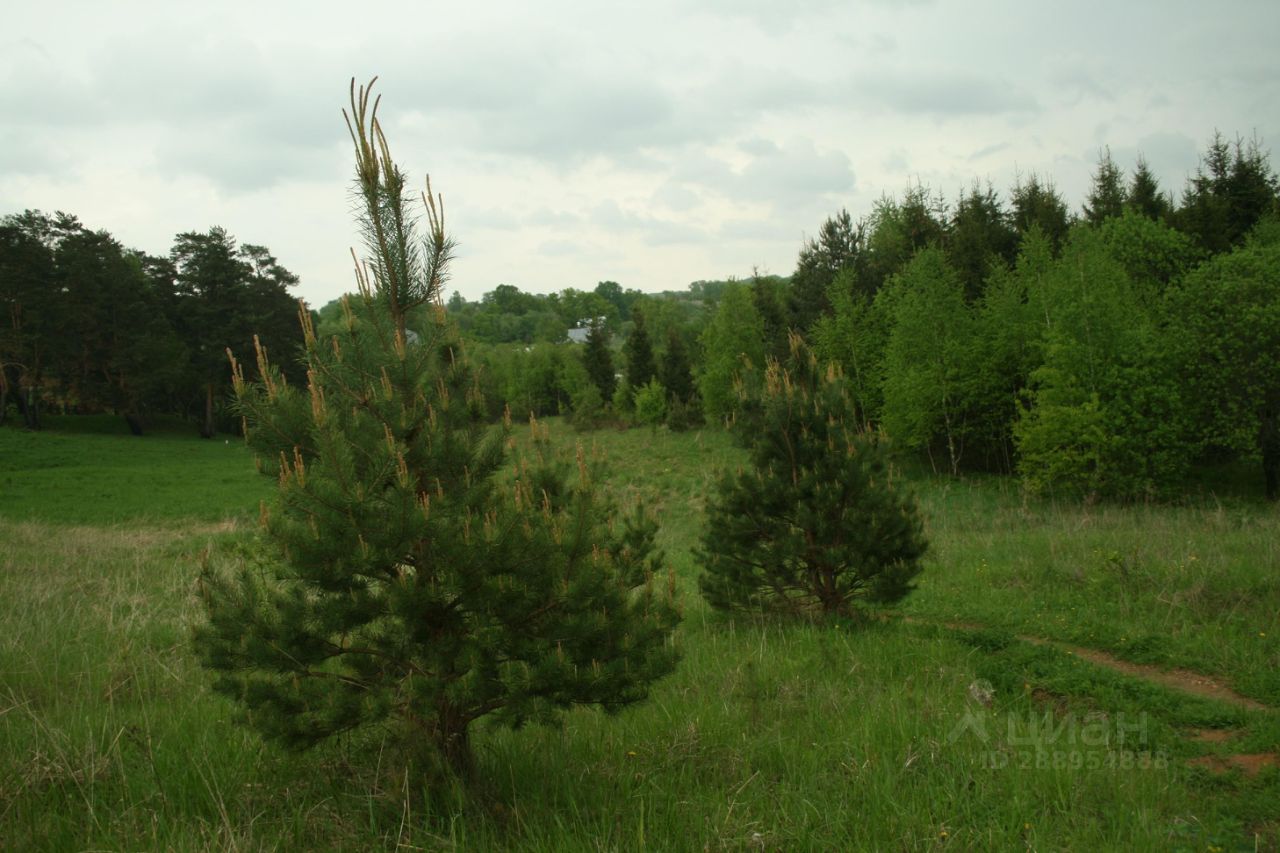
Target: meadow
x=1013 y=701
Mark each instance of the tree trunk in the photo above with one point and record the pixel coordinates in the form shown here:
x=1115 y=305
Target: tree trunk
x=30 y=409
x=453 y=741
x=439 y=747
x=456 y=749
x=134 y=422
x=207 y=428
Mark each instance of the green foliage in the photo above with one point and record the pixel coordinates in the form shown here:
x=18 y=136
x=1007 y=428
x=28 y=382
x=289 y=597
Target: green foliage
x=1152 y=253
x=675 y=372
x=815 y=522
x=1061 y=439
x=684 y=407
x=1145 y=195
x=1005 y=350
x=733 y=338
x=1103 y=409
x=1225 y=332
x=980 y=238
x=87 y=324
x=401 y=578
x=1036 y=202
x=928 y=358
x=769 y=296
x=638 y=353
x=588 y=407
x=1192 y=585
x=896 y=230
x=854 y=335
x=599 y=361
x=651 y=403
x=837 y=248
x=529 y=380
x=1106 y=197
x=1233 y=189
x=229 y=294
x=623 y=402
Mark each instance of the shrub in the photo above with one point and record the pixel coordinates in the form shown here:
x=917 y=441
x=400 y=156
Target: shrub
x=651 y=403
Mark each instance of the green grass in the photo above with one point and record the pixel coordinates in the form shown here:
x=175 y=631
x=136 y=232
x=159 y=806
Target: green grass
x=99 y=474
x=770 y=735
x=1191 y=586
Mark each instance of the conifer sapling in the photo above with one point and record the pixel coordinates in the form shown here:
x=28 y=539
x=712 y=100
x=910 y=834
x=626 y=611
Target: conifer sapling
x=407 y=572
x=815 y=522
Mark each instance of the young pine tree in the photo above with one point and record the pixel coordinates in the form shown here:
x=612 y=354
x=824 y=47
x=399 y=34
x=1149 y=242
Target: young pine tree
x=815 y=523
x=405 y=574
x=639 y=353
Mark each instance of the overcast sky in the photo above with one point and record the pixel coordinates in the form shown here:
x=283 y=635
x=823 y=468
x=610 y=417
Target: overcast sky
x=651 y=143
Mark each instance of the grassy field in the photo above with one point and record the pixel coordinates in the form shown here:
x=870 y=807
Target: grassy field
x=940 y=726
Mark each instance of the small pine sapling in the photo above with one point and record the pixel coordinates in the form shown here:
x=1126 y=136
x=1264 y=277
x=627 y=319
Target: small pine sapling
x=815 y=522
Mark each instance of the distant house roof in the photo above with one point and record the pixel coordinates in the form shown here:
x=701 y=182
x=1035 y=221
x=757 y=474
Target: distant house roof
x=578 y=336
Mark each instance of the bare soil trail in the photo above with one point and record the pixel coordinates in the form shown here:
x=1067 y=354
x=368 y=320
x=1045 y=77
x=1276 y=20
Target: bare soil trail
x=1181 y=680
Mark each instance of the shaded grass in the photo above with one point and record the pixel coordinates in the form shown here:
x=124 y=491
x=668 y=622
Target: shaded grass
x=769 y=735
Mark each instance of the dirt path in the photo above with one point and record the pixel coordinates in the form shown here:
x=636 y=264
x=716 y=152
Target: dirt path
x=1183 y=680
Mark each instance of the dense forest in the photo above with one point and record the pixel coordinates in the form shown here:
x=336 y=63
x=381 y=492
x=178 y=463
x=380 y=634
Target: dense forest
x=1100 y=353
x=91 y=326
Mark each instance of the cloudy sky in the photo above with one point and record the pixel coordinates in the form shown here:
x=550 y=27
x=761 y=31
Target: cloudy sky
x=652 y=143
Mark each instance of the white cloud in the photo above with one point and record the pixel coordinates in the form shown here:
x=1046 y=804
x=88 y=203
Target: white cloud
x=574 y=141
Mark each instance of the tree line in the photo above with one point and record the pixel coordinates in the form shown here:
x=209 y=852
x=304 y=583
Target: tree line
x=91 y=326
x=1098 y=355
x=1101 y=352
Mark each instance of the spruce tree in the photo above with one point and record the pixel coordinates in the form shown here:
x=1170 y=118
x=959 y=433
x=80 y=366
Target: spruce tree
x=598 y=360
x=406 y=574
x=838 y=246
x=1106 y=197
x=1145 y=195
x=979 y=238
x=675 y=373
x=815 y=522
x=1037 y=202
x=639 y=352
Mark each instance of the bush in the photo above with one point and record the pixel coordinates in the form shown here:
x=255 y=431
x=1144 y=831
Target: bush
x=684 y=414
x=651 y=404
